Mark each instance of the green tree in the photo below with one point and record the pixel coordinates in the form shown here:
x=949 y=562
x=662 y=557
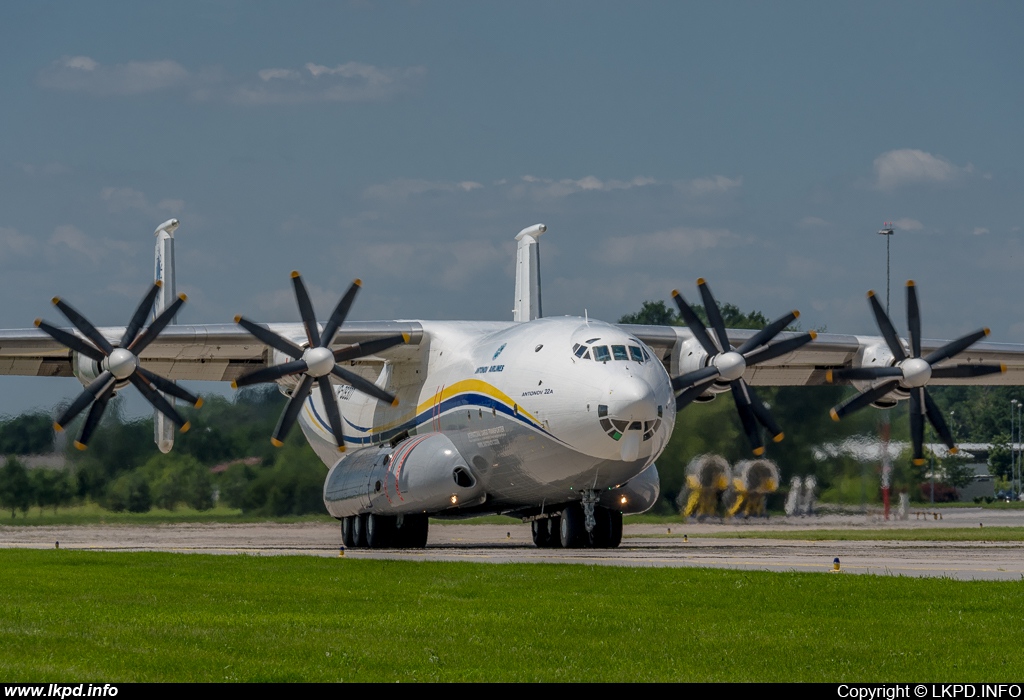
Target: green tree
x=178 y=478
x=129 y=492
x=15 y=487
x=27 y=434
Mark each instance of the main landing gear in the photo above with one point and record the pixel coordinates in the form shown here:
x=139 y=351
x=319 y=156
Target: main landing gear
x=569 y=530
x=384 y=531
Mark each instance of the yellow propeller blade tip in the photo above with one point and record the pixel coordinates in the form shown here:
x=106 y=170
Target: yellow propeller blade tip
x=835 y=416
x=295 y=273
x=357 y=282
x=987 y=330
x=199 y=402
x=813 y=334
x=828 y=376
x=184 y=428
x=238 y=318
x=55 y=300
x=871 y=293
x=58 y=427
x=919 y=462
x=395 y=402
x=910 y=283
x=953 y=450
x=700 y=281
x=341 y=448
x=80 y=446
x=159 y=283
x=406 y=338
x=675 y=293
x=275 y=442
x=1002 y=368
x=183 y=297
x=796 y=314
x=38 y=322
x=758 y=451
x=234 y=385
x=779 y=438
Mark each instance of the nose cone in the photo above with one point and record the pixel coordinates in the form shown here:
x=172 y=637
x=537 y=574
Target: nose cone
x=632 y=399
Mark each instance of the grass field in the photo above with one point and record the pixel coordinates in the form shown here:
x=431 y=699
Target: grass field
x=87 y=617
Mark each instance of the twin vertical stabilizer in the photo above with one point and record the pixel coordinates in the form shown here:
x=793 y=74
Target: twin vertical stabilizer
x=528 y=306
x=163 y=428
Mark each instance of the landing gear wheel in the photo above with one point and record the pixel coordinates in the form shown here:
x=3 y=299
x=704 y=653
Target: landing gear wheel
x=411 y=531
x=573 y=533
x=380 y=531
x=358 y=530
x=607 y=533
x=555 y=528
x=614 y=528
x=347 y=538
x=543 y=534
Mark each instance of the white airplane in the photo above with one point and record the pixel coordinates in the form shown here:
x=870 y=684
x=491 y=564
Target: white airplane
x=557 y=421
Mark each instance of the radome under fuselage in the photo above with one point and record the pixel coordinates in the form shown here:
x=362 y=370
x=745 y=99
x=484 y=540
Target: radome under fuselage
x=535 y=416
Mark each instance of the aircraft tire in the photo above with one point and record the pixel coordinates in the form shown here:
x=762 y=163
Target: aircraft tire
x=615 y=528
x=601 y=535
x=358 y=530
x=411 y=531
x=545 y=532
x=572 y=532
x=346 y=532
x=555 y=528
x=380 y=531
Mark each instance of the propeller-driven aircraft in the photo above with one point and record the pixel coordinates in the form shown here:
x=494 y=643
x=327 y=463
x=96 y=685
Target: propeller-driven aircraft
x=557 y=421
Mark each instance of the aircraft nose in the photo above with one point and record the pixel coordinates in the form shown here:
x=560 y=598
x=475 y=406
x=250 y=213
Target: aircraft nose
x=632 y=399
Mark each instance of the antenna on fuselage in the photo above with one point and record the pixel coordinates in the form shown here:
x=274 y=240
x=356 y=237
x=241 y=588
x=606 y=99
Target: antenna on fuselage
x=528 y=306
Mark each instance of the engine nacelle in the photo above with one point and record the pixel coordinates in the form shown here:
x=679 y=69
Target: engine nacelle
x=690 y=356
x=421 y=474
x=877 y=355
x=637 y=495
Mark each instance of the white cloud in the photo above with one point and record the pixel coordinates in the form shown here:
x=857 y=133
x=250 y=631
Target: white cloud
x=44 y=169
x=14 y=244
x=173 y=206
x=123 y=198
x=907 y=224
x=979 y=231
x=404 y=188
x=671 y=244
x=907 y=166
x=813 y=222
x=83 y=74
x=75 y=240
x=708 y=186
x=543 y=187
x=347 y=82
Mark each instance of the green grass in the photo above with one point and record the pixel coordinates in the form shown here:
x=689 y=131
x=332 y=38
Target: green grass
x=945 y=534
x=98 y=617
x=93 y=514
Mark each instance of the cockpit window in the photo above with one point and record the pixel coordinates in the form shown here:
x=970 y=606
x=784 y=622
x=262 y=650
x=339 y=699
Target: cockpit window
x=619 y=352
x=601 y=353
x=634 y=352
x=625 y=353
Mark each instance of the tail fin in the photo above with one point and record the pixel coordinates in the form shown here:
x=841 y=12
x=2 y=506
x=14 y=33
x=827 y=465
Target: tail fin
x=528 y=306
x=163 y=428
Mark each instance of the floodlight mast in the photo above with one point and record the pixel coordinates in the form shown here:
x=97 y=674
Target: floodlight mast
x=886 y=231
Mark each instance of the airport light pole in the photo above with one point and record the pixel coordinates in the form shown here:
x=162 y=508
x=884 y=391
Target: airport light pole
x=1013 y=445
x=886 y=231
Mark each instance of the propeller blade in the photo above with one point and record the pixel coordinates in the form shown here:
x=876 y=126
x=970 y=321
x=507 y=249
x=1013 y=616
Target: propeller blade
x=783 y=347
x=354 y=352
x=917 y=425
x=714 y=315
x=687 y=397
x=70 y=341
x=863 y=399
x=333 y=414
x=956 y=347
x=747 y=417
x=763 y=415
x=841 y=375
x=306 y=310
x=938 y=422
x=270 y=374
x=81 y=323
x=169 y=387
x=887 y=329
x=291 y=411
x=139 y=317
x=159 y=402
x=98 y=385
x=269 y=337
x=340 y=312
x=364 y=386
x=159 y=323
x=913 y=319
x=700 y=376
x=93 y=419
x=696 y=326
x=966 y=371
x=765 y=335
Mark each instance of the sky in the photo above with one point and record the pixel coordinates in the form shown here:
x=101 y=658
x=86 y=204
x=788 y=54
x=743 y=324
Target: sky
x=758 y=145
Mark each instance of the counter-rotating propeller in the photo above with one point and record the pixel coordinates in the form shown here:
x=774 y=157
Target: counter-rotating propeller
x=727 y=363
x=316 y=362
x=118 y=364
x=911 y=373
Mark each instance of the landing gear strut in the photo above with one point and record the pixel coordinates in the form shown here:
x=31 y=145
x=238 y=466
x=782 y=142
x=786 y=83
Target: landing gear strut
x=605 y=529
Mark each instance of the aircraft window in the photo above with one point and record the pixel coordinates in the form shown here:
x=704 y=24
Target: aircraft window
x=592 y=340
x=601 y=353
x=619 y=352
x=602 y=411
x=581 y=350
x=635 y=353
x=646 y=354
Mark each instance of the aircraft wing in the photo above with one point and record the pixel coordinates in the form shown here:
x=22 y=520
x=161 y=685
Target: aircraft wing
x=808 y=365
x=218 y=352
